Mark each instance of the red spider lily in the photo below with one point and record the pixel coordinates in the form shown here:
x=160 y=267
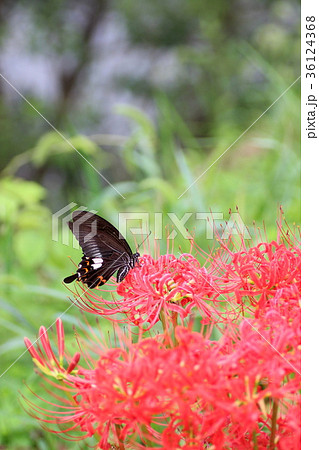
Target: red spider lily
x=165 y=285
x=289 y=428
x=260 y=275
x=180 y=389
x=251 y=279
x=44 y=357
x=196 y=393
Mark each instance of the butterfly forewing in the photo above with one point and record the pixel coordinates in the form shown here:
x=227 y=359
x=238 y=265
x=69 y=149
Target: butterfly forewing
x=96 y=236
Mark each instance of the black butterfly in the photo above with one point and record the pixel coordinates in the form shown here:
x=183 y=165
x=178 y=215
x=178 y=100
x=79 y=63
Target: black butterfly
x=105 y=250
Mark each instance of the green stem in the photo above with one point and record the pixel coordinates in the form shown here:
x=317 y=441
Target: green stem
x=273 y=424
x=174 y=322
x=255 y=440
x=164 y=321
x=118 y=432
x=145 y=440
x=169 y=326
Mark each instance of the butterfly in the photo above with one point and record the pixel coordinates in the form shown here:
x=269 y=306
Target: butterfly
x=105 y=250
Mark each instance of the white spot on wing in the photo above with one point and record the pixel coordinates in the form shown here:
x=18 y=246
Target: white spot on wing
x=97 y=263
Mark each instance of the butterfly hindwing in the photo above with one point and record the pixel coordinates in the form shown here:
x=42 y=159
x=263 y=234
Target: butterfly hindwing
x=94 y=274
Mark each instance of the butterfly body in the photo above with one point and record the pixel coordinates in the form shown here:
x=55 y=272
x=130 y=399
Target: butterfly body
x=105 y=250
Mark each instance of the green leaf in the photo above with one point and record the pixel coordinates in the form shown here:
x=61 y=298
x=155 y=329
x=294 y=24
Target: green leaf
x=53 y=144
x=30 y=248
x=23 y=192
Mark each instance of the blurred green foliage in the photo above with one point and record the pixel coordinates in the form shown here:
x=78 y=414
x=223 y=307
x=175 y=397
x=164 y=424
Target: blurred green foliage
x=231 y=61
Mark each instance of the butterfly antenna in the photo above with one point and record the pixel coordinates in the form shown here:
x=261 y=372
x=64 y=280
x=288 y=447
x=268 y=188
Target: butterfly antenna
x=144 y=240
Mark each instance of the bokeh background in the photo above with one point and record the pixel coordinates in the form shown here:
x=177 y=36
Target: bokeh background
x=151 y=93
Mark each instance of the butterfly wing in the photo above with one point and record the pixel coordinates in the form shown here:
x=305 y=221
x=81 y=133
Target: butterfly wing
x=98 y=277
x=105 y=250
x=97 y=237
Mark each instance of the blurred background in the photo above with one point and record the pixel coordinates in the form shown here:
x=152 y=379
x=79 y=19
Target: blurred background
x=151 y=94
